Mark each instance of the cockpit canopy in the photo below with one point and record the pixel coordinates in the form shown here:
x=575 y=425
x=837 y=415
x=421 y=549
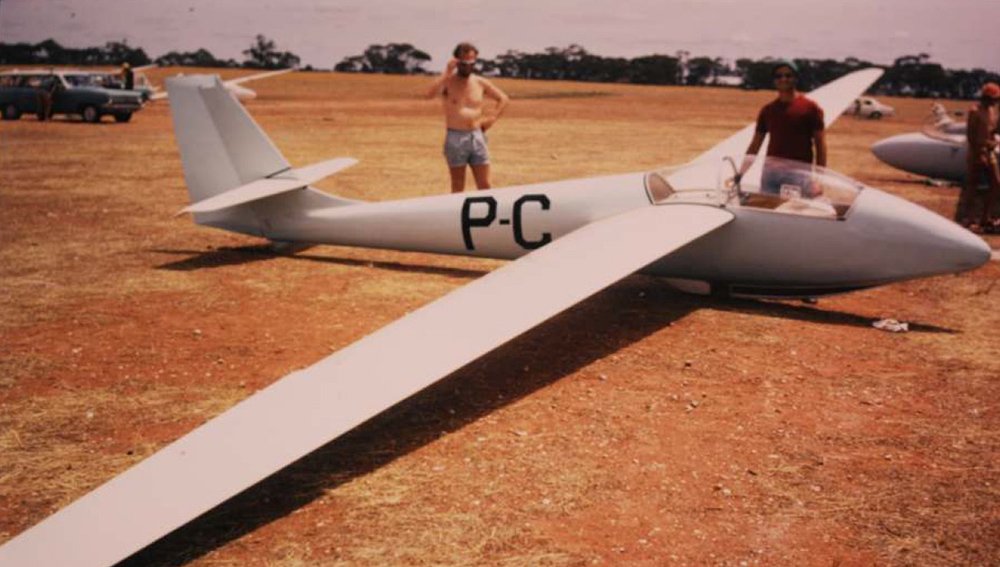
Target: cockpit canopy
x=776 y=184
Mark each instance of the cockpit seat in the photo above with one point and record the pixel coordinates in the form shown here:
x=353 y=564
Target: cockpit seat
x=808 y=208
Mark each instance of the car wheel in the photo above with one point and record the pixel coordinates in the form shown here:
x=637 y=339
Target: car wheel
x=123 y=116
x=11 y=112
x=91 y=114
x=875 y=115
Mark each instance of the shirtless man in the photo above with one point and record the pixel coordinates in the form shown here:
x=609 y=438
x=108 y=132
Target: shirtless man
x=981 y=159
x=463 y=97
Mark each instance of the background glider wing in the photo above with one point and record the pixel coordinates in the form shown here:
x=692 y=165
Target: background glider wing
x=234 y=82
x=258 y=76
x=833 y=97
x=309 y=408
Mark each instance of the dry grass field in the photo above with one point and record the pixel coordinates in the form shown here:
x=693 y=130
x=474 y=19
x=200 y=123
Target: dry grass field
x=643 y=427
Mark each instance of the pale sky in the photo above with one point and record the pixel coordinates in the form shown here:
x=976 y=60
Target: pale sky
x=957 y=33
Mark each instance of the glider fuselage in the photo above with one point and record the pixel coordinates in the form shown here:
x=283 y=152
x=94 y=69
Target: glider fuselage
x=764 y=252
x=920 y=154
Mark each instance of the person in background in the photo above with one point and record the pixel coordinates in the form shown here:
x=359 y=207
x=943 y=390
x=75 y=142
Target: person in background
x=981 y=133
x=46 y=92
x=796 y=126
x=463 y=96
x=128 y=77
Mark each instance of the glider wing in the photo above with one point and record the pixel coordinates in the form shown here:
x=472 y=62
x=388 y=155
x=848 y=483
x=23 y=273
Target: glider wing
x=258 y=76
x=308 y=408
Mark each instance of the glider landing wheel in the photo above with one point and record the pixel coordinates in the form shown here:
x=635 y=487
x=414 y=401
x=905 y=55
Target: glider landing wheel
x=123 y=116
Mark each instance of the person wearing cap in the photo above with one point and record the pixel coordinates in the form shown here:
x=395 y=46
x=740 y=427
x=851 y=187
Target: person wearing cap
x=981 y=133
x=796 y=126
x=463 y=96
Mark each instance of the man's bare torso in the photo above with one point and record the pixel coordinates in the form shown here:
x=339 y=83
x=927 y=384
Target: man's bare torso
x=463 y=101
x=982 y=126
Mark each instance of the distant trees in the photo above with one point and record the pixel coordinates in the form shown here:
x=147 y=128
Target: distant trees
x=967 y=84
x=570 y=63
x=577 y=64
x=654 y=70
x=821 y=71
x=705 y=70
x=263 y=54
x=756 y=74
x=910 y=75
x=200 y=58
x=916 y=75
x=50 y=52
x=120 y=52
x=391 y=58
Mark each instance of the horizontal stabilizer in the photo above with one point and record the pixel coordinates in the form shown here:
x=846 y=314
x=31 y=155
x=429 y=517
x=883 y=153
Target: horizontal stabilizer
x=313 y=173
x=288 y=180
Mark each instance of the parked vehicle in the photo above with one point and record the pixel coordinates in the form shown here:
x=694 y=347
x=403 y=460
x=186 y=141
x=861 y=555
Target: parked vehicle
x=73 y=93
x=868 y=107
x=113 y=80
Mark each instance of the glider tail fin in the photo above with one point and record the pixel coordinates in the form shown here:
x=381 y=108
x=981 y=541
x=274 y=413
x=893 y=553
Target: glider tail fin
x=231 y=166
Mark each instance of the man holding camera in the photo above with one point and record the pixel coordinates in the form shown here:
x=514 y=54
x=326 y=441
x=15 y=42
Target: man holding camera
x=463 y=96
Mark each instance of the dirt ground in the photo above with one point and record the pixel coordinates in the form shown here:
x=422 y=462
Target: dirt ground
x=643 y=427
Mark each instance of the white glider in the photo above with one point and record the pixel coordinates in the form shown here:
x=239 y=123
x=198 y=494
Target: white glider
x=820 y=233
x=235 y=86
x=937 y=151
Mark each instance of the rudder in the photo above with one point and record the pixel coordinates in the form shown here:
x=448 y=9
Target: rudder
x=221 y=147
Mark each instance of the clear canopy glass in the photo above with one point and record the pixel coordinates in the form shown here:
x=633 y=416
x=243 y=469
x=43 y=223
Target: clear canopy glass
x=774 y=184
x=941 y=126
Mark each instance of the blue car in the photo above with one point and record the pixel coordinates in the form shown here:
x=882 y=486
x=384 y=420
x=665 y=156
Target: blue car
x=72 y=93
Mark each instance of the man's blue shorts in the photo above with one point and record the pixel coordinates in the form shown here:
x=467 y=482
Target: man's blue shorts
x=466 y=147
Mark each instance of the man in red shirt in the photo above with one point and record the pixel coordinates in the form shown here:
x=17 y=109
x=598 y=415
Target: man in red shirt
x=795 y=124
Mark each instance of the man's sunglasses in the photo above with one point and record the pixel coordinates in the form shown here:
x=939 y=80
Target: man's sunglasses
x=784 y=75
x=468 y=63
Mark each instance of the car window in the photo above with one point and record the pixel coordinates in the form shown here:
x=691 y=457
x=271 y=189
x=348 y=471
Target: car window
x=79 y=80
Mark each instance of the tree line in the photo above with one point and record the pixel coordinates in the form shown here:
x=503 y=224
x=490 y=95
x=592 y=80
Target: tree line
x=262 y=54
x=909 y=75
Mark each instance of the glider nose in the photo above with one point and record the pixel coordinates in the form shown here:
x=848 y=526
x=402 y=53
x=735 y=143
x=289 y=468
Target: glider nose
x=946 y=246
x=920 y=242
x=962 y=250
x=894 y=150
x=949 y=247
